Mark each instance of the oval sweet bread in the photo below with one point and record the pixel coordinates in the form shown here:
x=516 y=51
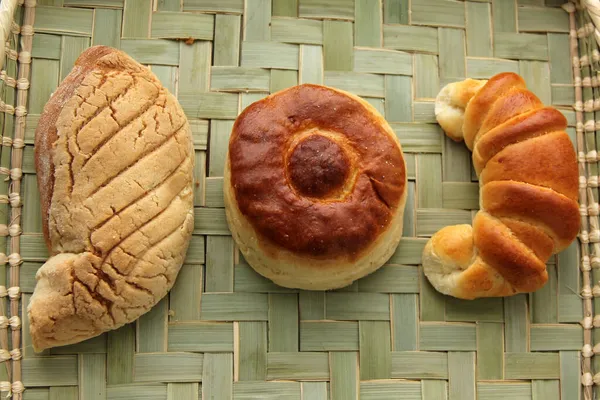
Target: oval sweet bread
x=114 y=159
x=315 y=187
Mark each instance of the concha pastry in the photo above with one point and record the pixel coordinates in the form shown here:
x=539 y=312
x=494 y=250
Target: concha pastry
x=114 y=160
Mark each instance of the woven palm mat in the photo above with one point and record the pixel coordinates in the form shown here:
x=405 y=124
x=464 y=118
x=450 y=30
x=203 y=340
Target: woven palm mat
x=225 y=332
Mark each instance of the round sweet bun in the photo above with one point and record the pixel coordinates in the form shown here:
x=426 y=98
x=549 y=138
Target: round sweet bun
x=315 y=187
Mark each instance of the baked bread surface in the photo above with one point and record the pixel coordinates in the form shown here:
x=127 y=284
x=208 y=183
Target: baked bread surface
x=114 y=160
x=315 y=187
x=528 y=178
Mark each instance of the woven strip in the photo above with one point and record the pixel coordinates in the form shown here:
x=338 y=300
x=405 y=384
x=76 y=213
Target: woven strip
x=589 y=205
x=16 y=173
x=10 y=34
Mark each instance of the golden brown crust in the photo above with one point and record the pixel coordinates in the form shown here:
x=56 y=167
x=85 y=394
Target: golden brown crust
x=482 y=280
x=520 y=128
x=531 y=236
x=528 y=174
x=46 y=132
x=513 y=103
x=511 y=258
x=325 y=224
x=480 y=104
x=542 y=206
x=548 y=161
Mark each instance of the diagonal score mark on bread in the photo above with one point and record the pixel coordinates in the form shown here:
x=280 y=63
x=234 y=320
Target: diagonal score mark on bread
x=528 y=177
x=114 y=158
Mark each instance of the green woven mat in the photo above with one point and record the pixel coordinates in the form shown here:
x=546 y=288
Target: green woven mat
x=225 y=332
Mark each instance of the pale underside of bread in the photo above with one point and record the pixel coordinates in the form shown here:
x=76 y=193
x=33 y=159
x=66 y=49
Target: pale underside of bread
x=292 y=270
x=115 y=161
x=528 y=191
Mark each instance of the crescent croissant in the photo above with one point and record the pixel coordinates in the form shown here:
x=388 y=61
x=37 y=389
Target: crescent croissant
x=528 y=179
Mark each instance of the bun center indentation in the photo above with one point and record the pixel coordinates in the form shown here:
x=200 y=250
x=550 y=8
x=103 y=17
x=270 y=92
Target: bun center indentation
x=318 y=166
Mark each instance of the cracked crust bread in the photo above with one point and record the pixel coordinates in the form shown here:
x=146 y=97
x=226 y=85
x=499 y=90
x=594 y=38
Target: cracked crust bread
x=528 y=179
x=315 y=187
x=114 y=160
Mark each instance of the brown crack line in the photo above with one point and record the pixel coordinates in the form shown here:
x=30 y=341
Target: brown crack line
x=379 y=196
x=109 y=100
x=70 y=166
x=109 y=252
x=90 y=119
x=137 y=133
x=127 y=281
x=140 y=112
x=151 y=247
x=136 y=200
x=103 y=276
x=106 y=303
x=142 y=156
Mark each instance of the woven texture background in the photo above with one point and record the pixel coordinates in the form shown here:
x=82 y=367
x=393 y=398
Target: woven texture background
x=225 y=332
